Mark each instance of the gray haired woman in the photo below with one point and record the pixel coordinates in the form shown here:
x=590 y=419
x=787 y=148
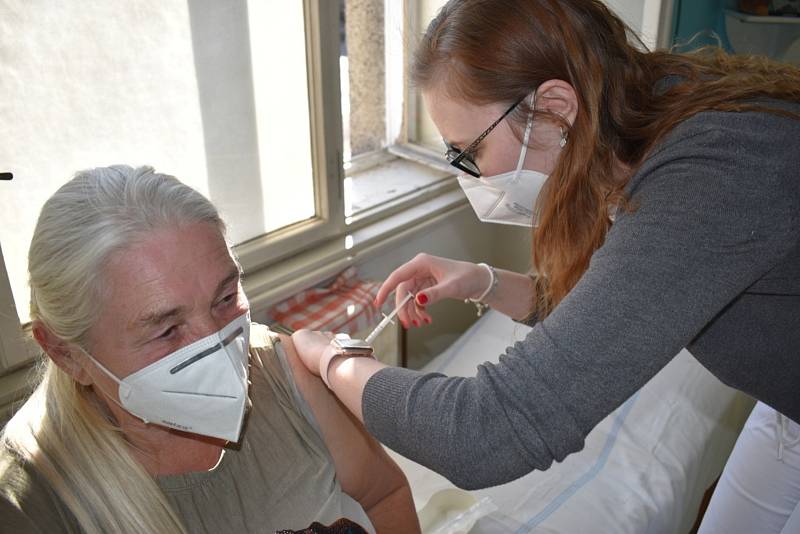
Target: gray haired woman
x=147 y=417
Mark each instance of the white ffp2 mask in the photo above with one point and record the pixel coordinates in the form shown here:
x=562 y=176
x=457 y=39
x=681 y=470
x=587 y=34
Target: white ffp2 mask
x=506 y=198
x=200 y=388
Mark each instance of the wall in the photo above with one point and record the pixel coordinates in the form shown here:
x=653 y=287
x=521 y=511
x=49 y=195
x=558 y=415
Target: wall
x=643 y=17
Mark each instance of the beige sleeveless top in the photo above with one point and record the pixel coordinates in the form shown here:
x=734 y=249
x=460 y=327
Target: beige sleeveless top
x=282 y=475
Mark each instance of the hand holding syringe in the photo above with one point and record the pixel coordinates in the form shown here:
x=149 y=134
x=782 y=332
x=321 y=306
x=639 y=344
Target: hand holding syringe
x=387 y=319
x=345 y=345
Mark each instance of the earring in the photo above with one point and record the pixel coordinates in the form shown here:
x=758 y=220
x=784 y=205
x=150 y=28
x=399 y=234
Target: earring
x=564 y=134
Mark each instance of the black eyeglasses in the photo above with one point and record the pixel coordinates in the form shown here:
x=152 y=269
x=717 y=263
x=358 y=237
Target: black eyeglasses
x=464 y=160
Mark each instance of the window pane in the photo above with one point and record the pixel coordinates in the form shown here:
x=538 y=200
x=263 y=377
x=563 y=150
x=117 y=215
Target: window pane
x=362 y=74
x=189 y=88
x=280 y=80
x=424 y=131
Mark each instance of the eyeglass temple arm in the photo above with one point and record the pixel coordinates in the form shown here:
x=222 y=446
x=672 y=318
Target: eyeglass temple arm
x=488 y=130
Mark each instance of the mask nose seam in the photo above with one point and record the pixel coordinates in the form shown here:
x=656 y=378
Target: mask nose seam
x=196 y=358
x=496 y=203
x=207 y=352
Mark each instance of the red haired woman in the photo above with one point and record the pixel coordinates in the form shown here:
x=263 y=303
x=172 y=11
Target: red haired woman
x=664 y=195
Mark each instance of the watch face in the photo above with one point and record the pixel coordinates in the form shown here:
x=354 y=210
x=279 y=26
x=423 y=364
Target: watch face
x=352 y=346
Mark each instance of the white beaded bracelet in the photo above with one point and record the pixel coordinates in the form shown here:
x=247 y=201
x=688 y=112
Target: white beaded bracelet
x=479 y=304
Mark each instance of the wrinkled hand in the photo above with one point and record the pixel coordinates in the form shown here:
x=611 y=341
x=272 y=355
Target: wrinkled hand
x=431 y=279
x=310 y=345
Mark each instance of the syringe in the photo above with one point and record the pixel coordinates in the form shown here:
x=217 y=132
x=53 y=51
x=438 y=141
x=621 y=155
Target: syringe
x=387 y=320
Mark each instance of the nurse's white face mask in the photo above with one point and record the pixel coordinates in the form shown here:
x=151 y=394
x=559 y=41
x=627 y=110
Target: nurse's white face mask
x=506 y=198
x=200 y=388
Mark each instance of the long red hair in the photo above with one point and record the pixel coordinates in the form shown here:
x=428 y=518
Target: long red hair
x=487 y=51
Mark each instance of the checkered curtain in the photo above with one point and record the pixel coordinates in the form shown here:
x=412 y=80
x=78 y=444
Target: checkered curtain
x=344 y=306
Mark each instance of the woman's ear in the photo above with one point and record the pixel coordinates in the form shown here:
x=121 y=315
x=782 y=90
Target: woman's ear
x=63 y=354
x=559 y=97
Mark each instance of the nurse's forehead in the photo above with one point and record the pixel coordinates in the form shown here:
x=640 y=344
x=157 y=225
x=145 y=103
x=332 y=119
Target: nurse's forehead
x=459 y=122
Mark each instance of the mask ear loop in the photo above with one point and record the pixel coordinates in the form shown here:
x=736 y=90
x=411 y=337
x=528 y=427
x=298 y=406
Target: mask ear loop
x=102 y=367
x=113 y=377
x=526 y=137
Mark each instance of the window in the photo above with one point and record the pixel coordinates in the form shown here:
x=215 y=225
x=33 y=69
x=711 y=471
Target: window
x=227 y=96
x=295 y=118
x=422 y=131
x=391 y=149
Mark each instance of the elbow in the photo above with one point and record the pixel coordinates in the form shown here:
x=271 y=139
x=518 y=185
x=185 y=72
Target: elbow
x=482 y=478
x=492 y=463
x=471 y=484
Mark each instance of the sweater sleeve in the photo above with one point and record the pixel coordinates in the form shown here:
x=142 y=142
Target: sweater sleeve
x=714 y=208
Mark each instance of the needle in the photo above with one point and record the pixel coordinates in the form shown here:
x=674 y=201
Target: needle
x=387 y=320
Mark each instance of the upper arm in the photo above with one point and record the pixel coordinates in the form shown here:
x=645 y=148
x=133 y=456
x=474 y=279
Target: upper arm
x=363 y=468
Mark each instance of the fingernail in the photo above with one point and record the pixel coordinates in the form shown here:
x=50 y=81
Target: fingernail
x=427 y=320
x=405 y=324
x=422 y=298
x=416 y=323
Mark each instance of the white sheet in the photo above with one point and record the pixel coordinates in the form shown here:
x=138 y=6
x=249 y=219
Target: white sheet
x=643 y=469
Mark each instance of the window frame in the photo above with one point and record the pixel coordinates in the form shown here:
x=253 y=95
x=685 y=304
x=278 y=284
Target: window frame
x=14 y=351
x=322 y=60
x=332 y=224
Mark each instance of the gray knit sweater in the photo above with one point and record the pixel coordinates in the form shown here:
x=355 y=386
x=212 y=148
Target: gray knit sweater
x=709 y=260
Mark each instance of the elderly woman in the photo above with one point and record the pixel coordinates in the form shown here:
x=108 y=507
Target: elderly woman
x=160 y=408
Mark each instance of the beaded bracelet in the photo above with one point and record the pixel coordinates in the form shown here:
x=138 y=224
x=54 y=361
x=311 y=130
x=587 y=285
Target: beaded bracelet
x=479 y=304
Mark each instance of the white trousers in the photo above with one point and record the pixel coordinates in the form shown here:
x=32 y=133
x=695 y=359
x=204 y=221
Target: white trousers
x=759 y=492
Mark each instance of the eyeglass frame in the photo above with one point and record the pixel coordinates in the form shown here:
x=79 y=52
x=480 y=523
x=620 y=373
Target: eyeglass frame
x=455 y=157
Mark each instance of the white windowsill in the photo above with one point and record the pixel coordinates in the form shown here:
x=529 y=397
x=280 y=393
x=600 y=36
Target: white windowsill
x=393 y=195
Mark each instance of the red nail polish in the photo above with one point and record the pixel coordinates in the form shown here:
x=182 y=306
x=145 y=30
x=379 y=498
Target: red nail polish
x=422 y=298
x=427 y=320
x=416 y=323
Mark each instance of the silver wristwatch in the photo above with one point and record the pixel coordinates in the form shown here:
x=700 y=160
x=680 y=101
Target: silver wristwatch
x=343 y=345
x=348 y=346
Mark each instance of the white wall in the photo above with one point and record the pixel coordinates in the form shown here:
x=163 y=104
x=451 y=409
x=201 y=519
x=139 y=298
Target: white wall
x=641 y=15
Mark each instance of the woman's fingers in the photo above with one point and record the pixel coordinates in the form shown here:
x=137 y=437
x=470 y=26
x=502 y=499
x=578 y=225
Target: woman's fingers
x=419 y=267
x=412 y=313
x=423 y=314
x=443 y=289
x=429 y=278
x=405 y=313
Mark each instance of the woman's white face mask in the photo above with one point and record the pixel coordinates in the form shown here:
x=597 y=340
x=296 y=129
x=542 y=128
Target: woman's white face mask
x=200 y=388
x=506 y=198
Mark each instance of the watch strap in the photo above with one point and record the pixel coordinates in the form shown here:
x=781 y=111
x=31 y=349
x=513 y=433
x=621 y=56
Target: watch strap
x=325 y=364
x=343 y=346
